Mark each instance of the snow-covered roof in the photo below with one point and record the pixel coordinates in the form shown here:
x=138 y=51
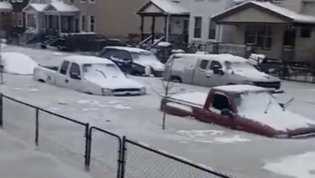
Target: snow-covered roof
x=63 y=7
x=88 y=60
x=130 y=49
x=240 y=88
x=5 y=6
x=38 y=7
x=295 y=17
x=168 y=6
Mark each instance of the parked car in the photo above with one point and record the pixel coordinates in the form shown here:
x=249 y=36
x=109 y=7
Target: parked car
x=91 y=75
x=134 y=61
x=241 y=107
x=216 y=69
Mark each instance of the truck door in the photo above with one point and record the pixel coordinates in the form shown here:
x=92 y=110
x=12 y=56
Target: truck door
x=61 y=76
x=74 y=78
x=215 y=79
x=220 y=101
x=200 y=74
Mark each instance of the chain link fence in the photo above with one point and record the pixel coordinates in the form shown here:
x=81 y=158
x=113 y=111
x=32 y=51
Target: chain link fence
x=143 y=161
x=102 y=153
x=104 y=149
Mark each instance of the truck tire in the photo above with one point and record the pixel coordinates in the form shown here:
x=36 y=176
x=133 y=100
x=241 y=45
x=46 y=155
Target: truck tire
x=41 y=81
x=176 y=79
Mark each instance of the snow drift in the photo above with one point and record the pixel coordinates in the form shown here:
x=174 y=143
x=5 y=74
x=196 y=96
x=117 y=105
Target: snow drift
x=18 y=63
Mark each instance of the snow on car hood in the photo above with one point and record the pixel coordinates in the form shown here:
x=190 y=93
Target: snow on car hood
x=114 y=82
x=263 y=108
x=252 y=74
x=154 y=63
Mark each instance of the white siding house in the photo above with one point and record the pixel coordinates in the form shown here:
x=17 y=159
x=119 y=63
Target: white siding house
x=201 y=28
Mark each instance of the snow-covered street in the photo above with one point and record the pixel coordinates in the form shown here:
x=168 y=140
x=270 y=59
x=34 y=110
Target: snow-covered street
x=235 y=153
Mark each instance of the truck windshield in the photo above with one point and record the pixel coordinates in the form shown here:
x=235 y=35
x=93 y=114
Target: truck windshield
x=256 y=103
x=102 y=70
x=144 y=57
x=236 y=65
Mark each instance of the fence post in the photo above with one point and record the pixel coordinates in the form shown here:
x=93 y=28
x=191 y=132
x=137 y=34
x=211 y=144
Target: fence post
x=1 y=110
x=123 y=158
x=88 y=139
x=36 y=126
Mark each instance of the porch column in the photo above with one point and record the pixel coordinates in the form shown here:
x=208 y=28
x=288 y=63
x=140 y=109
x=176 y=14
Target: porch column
x=59 y=23
x=153 y=29
x=142 y=28
x=167 y=27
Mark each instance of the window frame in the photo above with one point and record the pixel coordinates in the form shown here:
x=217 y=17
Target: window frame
x=62 y=68
x=78 y=67
x=260 y=36
x=207 y=64
x=212 y=30
x=197 y=27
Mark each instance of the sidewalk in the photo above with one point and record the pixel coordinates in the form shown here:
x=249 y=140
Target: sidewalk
x=19 y=160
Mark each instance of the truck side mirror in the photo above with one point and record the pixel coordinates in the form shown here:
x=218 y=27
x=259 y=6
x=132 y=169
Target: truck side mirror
x=227 y=112
x=282 y=105
x=75 y=76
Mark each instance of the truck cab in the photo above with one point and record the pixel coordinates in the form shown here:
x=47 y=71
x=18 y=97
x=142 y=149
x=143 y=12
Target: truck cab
x=91 y=75
x=134 y=61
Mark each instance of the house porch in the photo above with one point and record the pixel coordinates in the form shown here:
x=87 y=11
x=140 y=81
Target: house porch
x=271 y=30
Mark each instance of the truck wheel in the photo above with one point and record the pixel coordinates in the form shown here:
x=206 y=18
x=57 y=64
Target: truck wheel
x=176 y=79
x=42 y=81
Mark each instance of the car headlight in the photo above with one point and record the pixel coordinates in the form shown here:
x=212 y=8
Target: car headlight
x=106 y=90
x=147 y=70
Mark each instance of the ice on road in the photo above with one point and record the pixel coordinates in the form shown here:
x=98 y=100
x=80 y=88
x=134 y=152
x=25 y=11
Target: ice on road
x=19 y=160
x=237 y=153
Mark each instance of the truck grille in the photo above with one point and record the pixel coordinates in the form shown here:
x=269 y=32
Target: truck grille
x=127 y=90
x=275 y=85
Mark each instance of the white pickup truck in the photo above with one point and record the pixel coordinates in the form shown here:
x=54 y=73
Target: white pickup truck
x=91 y=75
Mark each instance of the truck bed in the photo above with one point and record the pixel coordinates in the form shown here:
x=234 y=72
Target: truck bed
x=183 y=104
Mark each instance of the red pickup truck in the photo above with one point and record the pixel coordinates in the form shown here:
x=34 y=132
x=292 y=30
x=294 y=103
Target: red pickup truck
x=241 y=107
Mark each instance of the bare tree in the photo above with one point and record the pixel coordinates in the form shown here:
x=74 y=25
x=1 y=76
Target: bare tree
x=1 y=64
x=166 y=90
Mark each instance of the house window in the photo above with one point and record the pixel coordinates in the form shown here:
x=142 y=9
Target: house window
x=31 y=20
x=83 y=23
x=14 y=19
x=185 y=27
x=260 y=36
x=92 y=1
x=19 y=19
x=289 y=37
x=212 y=30
x=197 y=27
x=92 y=23
x=306 y=32
x=83 y=1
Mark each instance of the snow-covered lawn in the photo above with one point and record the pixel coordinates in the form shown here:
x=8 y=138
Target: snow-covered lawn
x=237 y=153
x=20 y=160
